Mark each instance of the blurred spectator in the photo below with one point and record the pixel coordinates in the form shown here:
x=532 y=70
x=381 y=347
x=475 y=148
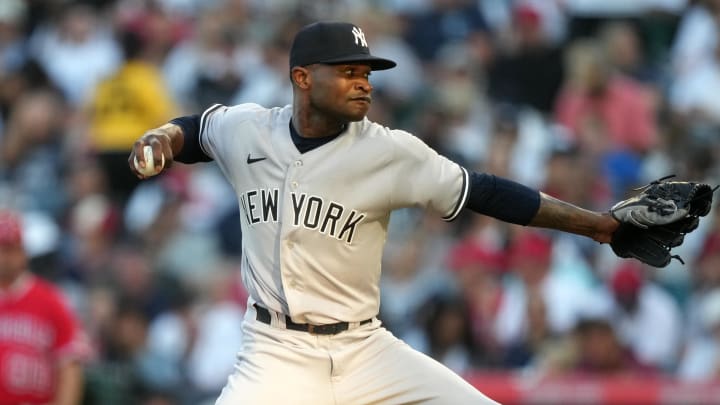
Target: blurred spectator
x=529 y=70
x=266 y=82
x=571 y=176
x=519 y=144
x=76 y=50
x=478 y=268
x=407 y=284
x=705 y=281
x=604 y=110
x=116 y=378
x=218 y=334
x=41 y=239
x=693 y=99
x=91 y=229
x=464 y=105
x=210 y=65
x=623 y=46
x=447 y=335
x=136 y=279
x=157 y=23
x=122 y=105
x=602 y=353
x=42 y=345
x=169 y=337
x=554 y=18
x=701 y=358
x=28 y=77
x=537 y=304
x=32 y=161
x=586 y=16
x=503 y=138
x=445 y=22
x=641 y=309
x=696 y=37
x=13 y=50
x=177 y=224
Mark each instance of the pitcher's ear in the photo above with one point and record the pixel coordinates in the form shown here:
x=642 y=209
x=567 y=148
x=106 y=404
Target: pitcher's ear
x=300 y=77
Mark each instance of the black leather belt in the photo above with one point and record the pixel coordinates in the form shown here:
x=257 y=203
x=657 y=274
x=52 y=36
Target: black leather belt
x=263 y=315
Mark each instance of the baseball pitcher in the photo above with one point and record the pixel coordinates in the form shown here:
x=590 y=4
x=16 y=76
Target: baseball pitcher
x=316 y=182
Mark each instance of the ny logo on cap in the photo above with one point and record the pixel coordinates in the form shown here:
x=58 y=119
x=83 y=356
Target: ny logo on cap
x=359 y=37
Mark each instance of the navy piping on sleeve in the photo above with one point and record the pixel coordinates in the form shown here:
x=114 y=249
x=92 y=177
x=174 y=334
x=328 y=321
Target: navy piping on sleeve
x=462 y=199
x=203 y=124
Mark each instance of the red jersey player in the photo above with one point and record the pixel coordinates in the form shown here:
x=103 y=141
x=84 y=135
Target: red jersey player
x=41 y=343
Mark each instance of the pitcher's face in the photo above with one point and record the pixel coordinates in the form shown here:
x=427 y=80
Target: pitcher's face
x=342 y=92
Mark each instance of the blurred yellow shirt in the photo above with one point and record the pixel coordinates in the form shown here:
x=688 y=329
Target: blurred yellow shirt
x=127 y=104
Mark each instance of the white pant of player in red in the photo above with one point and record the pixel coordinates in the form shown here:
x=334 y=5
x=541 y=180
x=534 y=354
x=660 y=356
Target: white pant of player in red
x=364 y=365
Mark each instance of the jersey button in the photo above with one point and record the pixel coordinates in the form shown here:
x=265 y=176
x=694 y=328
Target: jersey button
x=294 y=185
x=298 y=163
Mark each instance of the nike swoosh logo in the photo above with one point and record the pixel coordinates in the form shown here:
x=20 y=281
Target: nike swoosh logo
x=251 y=160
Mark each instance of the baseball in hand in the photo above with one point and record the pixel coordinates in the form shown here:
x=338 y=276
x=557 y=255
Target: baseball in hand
x=149 y=169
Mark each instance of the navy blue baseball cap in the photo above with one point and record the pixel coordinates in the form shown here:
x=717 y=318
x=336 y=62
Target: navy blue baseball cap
x=334 y=43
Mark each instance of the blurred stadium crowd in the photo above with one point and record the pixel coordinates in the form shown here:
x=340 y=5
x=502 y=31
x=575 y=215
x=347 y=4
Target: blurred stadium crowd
x=583 y=99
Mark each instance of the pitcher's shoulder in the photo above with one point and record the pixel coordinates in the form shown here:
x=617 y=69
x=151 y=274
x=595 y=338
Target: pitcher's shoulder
x=245 y=112
x=376 y=130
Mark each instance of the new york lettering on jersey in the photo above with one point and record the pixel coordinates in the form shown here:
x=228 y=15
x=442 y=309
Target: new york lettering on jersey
x=310 y=212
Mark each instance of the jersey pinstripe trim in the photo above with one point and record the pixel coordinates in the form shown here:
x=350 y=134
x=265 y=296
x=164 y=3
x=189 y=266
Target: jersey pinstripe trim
x=203 y=123
x=462 y=200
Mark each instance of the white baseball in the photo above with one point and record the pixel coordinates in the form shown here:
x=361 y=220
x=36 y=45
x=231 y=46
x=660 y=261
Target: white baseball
x=149 y=169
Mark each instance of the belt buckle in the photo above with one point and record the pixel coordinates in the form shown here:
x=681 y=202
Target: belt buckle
x=330 y=329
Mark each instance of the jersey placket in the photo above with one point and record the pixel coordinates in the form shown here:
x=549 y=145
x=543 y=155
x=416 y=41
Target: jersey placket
x=292 y=280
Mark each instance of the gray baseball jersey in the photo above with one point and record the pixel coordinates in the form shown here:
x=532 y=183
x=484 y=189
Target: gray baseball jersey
x=314 y=224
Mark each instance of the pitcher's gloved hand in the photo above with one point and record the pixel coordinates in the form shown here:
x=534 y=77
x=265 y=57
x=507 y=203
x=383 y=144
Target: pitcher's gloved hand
x=658 y=218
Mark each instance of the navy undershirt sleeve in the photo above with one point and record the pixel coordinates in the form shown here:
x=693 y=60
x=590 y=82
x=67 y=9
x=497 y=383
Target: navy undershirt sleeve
x=191 y=151
x=503 y=199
